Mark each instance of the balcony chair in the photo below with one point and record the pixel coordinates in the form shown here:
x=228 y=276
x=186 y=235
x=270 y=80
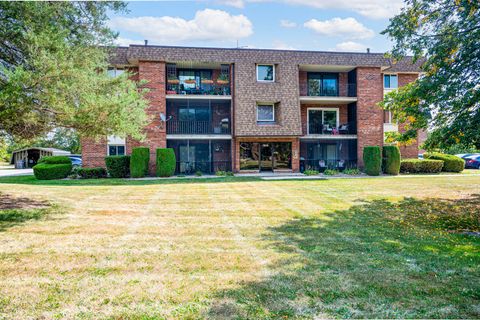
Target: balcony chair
x=327 y=129
x=343 y=129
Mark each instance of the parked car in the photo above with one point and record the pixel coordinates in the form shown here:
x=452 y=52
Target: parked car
x=472 y=162
x=76 y=161
x=420 y=156
x=466 y=155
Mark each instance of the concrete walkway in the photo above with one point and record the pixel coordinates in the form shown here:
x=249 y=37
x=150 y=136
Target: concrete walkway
x=9 y=171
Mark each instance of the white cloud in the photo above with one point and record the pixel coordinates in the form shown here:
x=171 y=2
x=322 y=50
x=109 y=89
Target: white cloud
x=207 y=25
x=350 y=46
x=280 y=45
x=287 y=24
x=125 y=42
x=348 y=28
x=375 y=9
x=233 y=3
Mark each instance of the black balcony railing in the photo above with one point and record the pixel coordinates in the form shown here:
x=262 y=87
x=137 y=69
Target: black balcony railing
x=197 y=127
x=346 y=128
x=208 y=90
x=316 y=90
x=324 y=164
x=205 y=167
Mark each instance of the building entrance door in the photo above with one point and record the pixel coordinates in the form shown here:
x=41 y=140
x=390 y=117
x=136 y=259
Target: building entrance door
x=266 y=157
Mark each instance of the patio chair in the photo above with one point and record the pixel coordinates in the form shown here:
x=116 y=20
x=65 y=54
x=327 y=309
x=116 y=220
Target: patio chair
x=343 y=129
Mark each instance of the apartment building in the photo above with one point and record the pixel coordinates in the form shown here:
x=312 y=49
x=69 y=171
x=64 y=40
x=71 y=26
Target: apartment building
x=251 y=110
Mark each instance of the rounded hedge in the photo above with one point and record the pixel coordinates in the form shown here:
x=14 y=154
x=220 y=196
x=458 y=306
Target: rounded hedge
x=391 y=160
x=139 y=162
x=118 y=166
x=55 y=160
x=421 y=166
x=451 y=163
x=45 y=171
x=372 y=160
x=166 y=162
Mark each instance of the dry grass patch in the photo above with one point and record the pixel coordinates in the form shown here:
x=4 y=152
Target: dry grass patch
x=238 y=249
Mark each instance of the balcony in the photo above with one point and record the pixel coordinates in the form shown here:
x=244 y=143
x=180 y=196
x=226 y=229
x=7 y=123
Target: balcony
x=197 y=80
x=198 y=127
x=199 y=117
x=348 y=128
x=327 y=87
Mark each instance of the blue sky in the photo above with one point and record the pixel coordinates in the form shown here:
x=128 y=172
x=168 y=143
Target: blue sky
x=334 y=25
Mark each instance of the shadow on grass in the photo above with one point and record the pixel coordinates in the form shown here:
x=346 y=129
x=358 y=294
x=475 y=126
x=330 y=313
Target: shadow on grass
x=17 y=210
x=375 y=260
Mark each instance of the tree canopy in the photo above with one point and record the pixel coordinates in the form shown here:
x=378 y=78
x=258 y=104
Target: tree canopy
x=446 y=98
x=53 y=63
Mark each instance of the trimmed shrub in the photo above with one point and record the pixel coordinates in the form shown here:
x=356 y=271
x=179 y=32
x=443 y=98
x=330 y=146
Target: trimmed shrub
x=451 y=163
x=421 y=166
x=372 y=160
x=166 y=162
x=331 y=172
x=221 y=173
x=352 y=172
x=55 y=160
x=45 y=171
x=139 y=162
x=310 y=172
x=92 y=173
x=118 y=166
x=391 y=160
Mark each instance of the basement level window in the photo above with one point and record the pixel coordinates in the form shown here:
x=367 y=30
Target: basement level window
x=116 y=150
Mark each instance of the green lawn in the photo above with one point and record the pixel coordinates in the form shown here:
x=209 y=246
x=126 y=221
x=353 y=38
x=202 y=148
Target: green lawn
x=240 y=248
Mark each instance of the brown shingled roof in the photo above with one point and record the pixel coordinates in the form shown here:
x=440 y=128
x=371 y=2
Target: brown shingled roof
x=134 y=53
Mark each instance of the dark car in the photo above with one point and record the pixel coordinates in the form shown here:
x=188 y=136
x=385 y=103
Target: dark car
x=472 y=162
x=76 y=161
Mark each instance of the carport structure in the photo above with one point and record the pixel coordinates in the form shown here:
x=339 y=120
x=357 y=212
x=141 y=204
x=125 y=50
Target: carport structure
x=28 y=157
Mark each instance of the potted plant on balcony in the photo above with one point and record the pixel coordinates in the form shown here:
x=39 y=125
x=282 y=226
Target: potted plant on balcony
x=172 y=79
x=190 y=81
x=222 y=79
x=207 y=81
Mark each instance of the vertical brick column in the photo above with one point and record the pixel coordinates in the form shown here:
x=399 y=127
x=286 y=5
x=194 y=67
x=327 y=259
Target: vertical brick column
x=296 y=155
x=156 y=131
x=93 y=152
x=369 y=114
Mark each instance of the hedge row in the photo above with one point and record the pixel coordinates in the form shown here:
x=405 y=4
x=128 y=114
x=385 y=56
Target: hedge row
x=166 y=162
x=139 y=162
x=451 y=163
x=45 y=171
x=391 y=160
x=118 y=166
x=421 y=166
x=372 y=160
x=92 y=173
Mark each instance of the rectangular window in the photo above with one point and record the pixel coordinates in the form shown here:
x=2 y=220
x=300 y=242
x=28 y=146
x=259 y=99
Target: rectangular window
x=112 y=73
x=387 y=116
x=390 y=81
x=322 y=84
x=323 y=121
x=265 y=72
x=265 y=113
x=114 y=150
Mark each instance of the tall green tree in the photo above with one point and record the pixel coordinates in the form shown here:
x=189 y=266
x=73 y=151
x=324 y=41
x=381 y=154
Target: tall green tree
x=445 y=36
x=53 y=62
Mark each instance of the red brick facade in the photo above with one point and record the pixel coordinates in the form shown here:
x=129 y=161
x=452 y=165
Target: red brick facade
x=369 y=114
x=290 y=84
